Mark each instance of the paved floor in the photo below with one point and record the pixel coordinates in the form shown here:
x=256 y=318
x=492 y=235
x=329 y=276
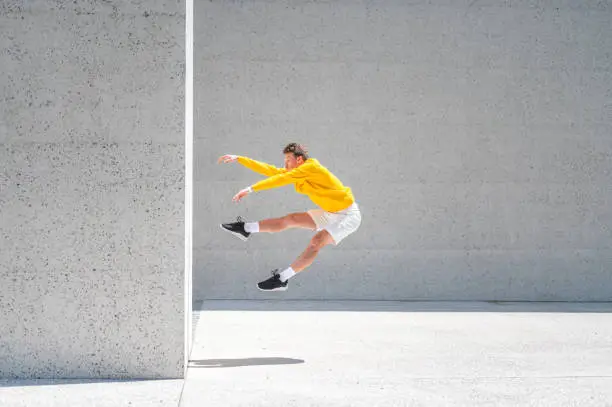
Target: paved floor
x=299 y=353
x=401 y=354
x=90 y=393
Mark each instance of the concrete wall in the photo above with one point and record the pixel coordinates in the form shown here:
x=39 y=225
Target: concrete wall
x=91 y=188
x=477 y=136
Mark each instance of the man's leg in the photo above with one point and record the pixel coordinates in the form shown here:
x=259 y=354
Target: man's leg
x=293 y=220
x=319 y=241
x=243 y=230
x=278 y=282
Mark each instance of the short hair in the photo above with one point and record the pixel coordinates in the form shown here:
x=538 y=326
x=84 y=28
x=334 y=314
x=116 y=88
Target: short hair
x=298 y=150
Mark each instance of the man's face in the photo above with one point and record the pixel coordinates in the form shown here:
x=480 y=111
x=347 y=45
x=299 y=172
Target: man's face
x=292 y=162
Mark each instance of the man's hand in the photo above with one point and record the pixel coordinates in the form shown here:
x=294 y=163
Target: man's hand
x=228 y=158
x=241 y=194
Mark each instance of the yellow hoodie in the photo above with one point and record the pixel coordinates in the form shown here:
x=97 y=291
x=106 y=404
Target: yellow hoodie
x=311 y=179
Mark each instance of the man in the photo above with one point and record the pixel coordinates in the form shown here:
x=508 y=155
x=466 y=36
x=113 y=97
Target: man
x=337 y=217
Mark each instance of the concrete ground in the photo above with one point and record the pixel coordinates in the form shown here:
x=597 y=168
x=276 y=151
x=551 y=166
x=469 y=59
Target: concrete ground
x=362 y=353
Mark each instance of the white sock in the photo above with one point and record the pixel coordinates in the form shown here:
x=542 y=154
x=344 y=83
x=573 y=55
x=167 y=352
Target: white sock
x=251 y=227
x=287 y=274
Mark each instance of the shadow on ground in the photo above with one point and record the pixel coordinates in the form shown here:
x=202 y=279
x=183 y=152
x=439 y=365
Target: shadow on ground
x=215 y=363
x=402 y=306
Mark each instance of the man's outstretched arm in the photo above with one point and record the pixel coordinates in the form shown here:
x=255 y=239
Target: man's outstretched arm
x=282 y=179
x=254 y=165
x=277 y=180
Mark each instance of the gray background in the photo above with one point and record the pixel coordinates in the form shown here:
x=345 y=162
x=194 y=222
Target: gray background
x=91 y=188
x=476 y=136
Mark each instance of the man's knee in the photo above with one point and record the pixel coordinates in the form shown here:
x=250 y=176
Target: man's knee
x=291 y=220
x=298 y=219
x=319 y=241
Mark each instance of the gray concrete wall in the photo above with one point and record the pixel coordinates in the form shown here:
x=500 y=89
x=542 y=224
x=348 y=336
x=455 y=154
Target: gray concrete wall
x=91 y=188
x=477 y=137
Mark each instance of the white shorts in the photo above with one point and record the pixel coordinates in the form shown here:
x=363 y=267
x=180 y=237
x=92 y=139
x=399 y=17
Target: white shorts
x=338 y=224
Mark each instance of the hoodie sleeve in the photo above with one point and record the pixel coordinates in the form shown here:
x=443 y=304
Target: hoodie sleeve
x=286 y=178
x=259 y=167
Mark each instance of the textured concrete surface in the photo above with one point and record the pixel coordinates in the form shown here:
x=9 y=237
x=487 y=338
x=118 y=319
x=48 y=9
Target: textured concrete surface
x=475 y=134
x=94 y=392
x=400 y=354
x=91 y=189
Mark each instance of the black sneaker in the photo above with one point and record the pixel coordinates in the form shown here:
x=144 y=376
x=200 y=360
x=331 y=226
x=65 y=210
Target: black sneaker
x=274 y=283
x=236 y=229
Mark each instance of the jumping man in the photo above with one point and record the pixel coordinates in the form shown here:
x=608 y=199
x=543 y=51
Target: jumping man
x=337 y=216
